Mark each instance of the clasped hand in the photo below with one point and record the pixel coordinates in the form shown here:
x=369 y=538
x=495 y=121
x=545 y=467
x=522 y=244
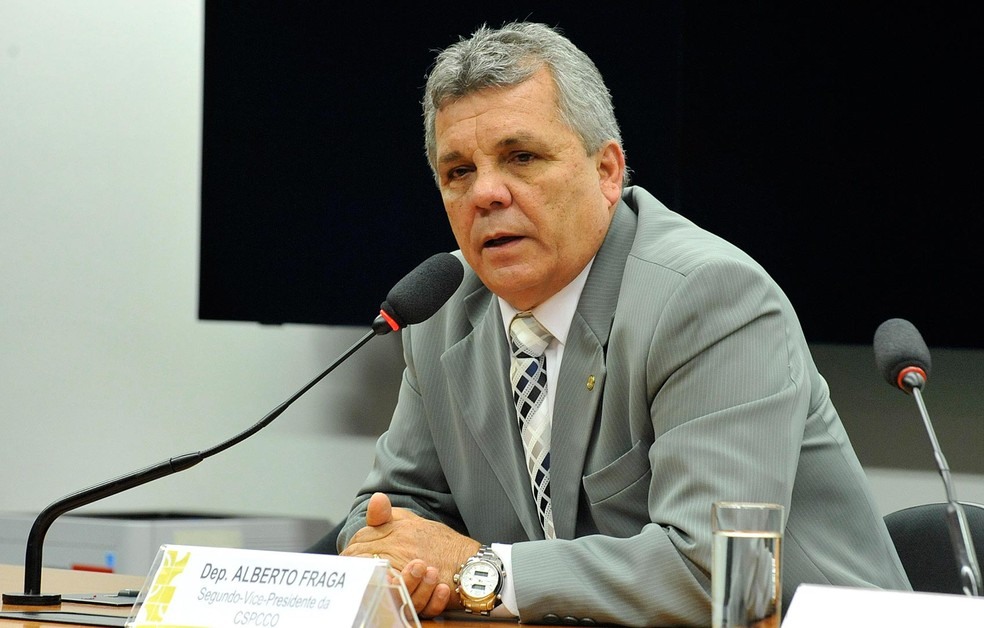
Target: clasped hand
x=426 y=553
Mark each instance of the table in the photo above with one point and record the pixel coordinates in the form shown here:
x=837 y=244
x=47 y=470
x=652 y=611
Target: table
x=69 y=581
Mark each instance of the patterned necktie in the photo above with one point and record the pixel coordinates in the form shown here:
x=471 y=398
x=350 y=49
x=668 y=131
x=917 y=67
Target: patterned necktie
x=529 y=379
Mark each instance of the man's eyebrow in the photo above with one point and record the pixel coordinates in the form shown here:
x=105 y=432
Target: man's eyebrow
x=516 y=138
x=449 y=157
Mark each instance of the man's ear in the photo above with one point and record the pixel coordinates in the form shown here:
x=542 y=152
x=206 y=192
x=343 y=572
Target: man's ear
x=611 y=171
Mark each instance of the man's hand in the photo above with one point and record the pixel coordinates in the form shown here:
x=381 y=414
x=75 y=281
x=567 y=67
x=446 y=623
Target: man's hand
x=427 y=553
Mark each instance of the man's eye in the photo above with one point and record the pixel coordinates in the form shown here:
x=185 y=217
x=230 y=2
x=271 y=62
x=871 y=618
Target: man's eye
x=457 y=173
x=523 y=158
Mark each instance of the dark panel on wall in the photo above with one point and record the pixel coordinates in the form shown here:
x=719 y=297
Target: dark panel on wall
x=839 y=145
x=316 y=196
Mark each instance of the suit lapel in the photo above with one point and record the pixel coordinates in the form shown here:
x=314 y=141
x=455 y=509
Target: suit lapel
x=477 y=368
x=581 y=382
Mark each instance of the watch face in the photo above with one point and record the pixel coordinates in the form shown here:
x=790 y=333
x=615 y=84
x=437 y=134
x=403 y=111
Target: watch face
x=479 y=579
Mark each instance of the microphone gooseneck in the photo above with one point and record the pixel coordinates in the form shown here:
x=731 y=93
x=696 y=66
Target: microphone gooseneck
x=903 y=358
x=414 y=299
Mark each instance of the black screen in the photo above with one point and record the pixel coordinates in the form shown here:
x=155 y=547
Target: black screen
x=838 y=144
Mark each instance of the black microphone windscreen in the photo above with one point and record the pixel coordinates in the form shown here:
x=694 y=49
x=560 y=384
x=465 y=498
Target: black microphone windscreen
x=898 y=345
x=421 y=293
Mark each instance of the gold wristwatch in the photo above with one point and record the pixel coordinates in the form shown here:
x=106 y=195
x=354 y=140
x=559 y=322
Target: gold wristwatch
x=479 y=582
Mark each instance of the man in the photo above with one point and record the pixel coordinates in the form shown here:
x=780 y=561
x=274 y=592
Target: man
x=675 y=375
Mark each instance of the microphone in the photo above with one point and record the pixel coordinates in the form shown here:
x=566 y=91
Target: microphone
x=420 y=294
x=903 y=359
x=414 y=299
x=901 y=354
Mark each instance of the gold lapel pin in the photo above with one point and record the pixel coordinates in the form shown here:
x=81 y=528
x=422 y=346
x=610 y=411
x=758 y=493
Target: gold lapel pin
x=591 y=381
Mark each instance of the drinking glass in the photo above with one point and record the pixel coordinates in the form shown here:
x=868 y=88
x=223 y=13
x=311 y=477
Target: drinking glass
x=746 y=566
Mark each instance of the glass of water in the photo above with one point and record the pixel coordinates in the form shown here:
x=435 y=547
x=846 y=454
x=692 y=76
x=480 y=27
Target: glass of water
x=746 y=567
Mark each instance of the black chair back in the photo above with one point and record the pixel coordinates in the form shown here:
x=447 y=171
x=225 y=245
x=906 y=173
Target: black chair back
x=922 y=539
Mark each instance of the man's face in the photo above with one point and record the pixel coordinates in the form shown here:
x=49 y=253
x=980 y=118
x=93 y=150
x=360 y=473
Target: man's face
x=527 y=206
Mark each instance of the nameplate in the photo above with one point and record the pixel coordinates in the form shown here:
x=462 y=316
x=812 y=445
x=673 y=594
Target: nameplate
x=192 y=587
x=822 y=606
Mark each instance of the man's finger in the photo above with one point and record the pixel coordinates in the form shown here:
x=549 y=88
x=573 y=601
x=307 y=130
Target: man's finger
x=438 y=601
x=379 y=511
x=426 y=592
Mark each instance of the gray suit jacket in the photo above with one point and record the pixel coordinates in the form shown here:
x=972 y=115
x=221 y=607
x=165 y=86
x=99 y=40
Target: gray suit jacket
x=704 y=390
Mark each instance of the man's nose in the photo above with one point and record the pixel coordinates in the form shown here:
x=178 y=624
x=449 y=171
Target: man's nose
x=490 y=190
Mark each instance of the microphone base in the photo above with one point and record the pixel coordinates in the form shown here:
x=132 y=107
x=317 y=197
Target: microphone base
x=32 y=599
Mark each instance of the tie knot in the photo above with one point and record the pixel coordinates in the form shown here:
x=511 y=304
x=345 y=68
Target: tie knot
x=528 y=335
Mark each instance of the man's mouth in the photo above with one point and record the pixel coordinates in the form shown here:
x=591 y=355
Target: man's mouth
x=494 y=242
